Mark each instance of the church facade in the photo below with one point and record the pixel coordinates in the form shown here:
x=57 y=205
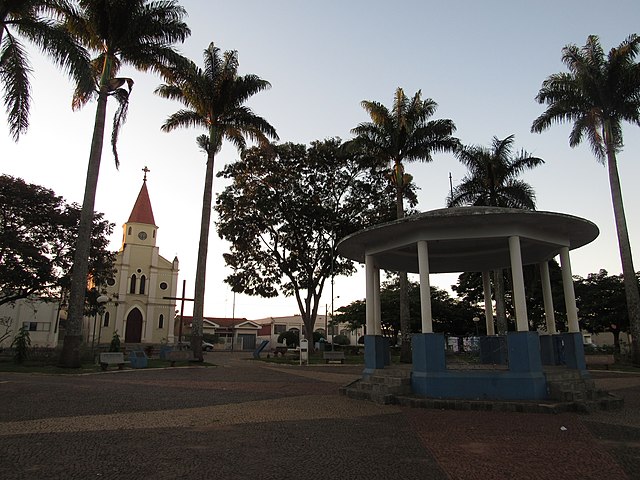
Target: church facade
x=141 y=302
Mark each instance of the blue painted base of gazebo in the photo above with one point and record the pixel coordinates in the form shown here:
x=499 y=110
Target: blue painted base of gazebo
x=376 y=354
x=524 y=379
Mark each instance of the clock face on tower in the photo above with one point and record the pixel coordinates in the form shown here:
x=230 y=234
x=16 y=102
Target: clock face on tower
x=142 y=236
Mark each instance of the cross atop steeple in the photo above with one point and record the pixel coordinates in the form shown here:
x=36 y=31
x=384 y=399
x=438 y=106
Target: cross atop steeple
x=145 y=170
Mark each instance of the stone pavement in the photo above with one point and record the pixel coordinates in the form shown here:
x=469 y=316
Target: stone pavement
x=250 y=420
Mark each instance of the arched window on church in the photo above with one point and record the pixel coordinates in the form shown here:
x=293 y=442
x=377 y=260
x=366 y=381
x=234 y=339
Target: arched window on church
x=161 y=321
x=132 y=288
x=105 y=322
x=143 y=282
x=129 y=232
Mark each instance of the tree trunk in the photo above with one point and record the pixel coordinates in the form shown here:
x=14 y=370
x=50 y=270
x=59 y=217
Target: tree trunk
x=501 y=312
x=70 y=355
x=616 y=341
x=628 y=271
x=203 y=249
x=405 y=324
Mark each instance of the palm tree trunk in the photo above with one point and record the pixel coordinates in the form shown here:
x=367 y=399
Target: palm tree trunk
x=628 y=272
x=203 y=249
x=70 y=355
x=405 y=324
x=501 y=311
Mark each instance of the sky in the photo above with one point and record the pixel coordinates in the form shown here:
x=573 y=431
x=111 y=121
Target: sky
x=482 y=62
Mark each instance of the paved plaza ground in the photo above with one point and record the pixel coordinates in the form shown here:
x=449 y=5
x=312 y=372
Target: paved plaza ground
x=244 y=419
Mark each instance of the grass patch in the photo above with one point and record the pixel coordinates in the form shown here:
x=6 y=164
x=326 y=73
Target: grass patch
x=33 y=366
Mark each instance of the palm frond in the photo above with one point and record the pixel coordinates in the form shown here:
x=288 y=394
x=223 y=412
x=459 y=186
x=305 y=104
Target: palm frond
x=14 y=77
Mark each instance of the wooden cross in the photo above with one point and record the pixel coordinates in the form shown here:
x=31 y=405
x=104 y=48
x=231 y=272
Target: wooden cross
x=182 y=300
x=145 y=170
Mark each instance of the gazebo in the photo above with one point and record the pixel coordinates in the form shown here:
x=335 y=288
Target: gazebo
x=476 y=239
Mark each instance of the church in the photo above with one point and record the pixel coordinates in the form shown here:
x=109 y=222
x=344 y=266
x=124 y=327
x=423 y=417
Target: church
x=140 y=300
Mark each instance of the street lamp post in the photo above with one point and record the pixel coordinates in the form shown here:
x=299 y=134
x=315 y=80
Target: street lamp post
x=102 y=299
x=476 y=320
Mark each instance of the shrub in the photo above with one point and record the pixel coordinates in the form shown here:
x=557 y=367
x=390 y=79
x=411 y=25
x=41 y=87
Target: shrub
x=341 y=340
x=290 y=337
x=114 y=346
x=21 y=345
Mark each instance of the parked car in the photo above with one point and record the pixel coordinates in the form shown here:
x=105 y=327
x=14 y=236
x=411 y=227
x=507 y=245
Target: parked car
x=207 y=347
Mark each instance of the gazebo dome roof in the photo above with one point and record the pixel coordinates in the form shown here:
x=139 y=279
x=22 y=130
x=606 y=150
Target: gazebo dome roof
x=468 y=238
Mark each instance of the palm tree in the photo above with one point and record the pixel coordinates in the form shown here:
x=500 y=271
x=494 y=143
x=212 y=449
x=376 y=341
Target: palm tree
x=214 y=98
x=493 y=181
x=134 y=32
x=493 y=176
x=38 y=22
x=597 y=94
x=404 y=134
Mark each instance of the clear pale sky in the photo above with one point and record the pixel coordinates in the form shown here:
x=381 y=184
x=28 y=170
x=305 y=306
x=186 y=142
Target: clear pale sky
x=482 y=62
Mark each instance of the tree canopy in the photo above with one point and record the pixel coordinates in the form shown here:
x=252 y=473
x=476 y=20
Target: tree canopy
x=37 y=237
x=286 y=209
x=38 y=22
x=492 y=179
x=601 y=301
x=450 y=316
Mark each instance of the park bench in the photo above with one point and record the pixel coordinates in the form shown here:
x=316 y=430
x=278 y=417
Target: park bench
x=333 y=357
x=178 y=356
x=605 y=359
x=112 y=358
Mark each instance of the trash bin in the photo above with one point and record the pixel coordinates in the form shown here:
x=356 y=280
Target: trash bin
x=164 y=349
x=138 y=359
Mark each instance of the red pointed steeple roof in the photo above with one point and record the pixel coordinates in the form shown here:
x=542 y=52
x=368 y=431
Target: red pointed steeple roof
x=142 y=211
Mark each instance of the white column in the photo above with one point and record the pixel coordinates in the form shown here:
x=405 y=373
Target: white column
x=549 y=314
x=569 y=294
x=488 y=303
x=377 y=318
x=425 y=287
x=370 y=294
x=519 y=300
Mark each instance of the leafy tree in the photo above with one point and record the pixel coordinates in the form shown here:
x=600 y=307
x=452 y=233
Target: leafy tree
x=469 y=288
x=450 y=316
x=215 y=99
x=37 y=240
x=38 y=22
x=285 y=210
x=138 y=33
x=493 y=181
x=597 y=94
x=404 y=134
x=600 y=298
x=354 y=315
